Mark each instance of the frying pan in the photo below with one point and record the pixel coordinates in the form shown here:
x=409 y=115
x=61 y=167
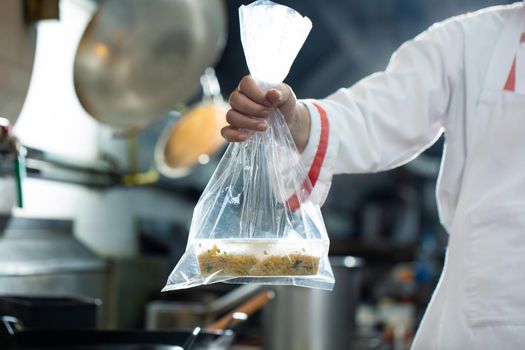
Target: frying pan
x=17 y=338
x=217 y=336
x=182 y=142
x=196 y=136
x=138 y=59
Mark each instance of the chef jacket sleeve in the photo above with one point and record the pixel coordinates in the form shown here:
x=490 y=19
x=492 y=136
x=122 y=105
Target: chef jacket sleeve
x=390 y=117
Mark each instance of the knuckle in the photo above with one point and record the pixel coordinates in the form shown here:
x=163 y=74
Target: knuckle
x=231 y=99
x=244 y=82
x=261 y=110
x=284 y=89
x=229 y=116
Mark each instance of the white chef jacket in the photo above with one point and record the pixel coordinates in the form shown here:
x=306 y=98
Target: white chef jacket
x=438 y=83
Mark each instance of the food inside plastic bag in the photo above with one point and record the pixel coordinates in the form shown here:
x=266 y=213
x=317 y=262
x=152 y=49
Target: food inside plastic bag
x=258 y=258
x=255 y=222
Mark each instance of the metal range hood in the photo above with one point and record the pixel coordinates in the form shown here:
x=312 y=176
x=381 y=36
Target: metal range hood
x=42 y=257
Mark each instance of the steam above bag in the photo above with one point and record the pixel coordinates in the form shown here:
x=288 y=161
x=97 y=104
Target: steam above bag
x=254 y=222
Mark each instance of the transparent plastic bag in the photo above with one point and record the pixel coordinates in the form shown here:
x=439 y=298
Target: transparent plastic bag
x=254 y=222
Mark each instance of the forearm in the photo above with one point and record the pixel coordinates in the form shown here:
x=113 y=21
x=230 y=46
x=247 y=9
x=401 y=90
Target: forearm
x=300 y=125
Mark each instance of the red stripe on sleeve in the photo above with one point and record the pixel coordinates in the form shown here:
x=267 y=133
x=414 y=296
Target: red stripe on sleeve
x=317 y=164
x=510 y=84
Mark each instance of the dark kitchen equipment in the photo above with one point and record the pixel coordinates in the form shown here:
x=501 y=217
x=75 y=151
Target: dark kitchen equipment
x=13 y=336
x=51 y=312
x=312 y=319
x=217 y=336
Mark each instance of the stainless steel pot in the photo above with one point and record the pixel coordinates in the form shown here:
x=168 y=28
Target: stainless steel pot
x=311 y=319
x=17 y=53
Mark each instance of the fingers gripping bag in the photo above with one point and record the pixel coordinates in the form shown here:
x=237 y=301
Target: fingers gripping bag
x=254 y=222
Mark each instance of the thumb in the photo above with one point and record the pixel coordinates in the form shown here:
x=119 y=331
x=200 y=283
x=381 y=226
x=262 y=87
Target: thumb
x=279 y=95
x=283 y=98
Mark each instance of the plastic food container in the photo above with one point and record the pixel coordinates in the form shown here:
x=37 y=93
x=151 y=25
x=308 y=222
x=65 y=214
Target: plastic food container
x=258 y=257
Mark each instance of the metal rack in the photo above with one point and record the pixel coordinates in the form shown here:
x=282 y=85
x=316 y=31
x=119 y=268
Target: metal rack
x=100 y=173
x=49 y=166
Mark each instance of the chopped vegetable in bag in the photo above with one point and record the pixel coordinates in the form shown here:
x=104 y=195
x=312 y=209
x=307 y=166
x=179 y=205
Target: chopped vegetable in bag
x=254 y=222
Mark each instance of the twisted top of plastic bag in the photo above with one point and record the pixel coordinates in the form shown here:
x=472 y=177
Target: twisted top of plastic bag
x=271 y=36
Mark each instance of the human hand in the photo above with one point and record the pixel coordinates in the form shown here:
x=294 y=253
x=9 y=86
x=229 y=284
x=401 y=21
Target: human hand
x=250 y=107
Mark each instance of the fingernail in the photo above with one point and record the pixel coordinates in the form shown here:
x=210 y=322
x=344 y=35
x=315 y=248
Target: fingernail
x=261 y=126
x=243 y=137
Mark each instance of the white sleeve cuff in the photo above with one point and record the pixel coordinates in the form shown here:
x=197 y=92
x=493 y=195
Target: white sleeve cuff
x=307 y=157
x=324 y=180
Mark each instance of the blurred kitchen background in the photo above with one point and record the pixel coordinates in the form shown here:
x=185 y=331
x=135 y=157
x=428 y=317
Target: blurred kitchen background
x=110 y=133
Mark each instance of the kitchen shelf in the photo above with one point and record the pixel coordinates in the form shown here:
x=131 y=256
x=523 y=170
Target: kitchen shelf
x=379 y=251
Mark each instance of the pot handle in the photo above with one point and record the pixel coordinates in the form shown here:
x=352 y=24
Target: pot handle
x=248 y=308
x=232 y=299
x=11 y=325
